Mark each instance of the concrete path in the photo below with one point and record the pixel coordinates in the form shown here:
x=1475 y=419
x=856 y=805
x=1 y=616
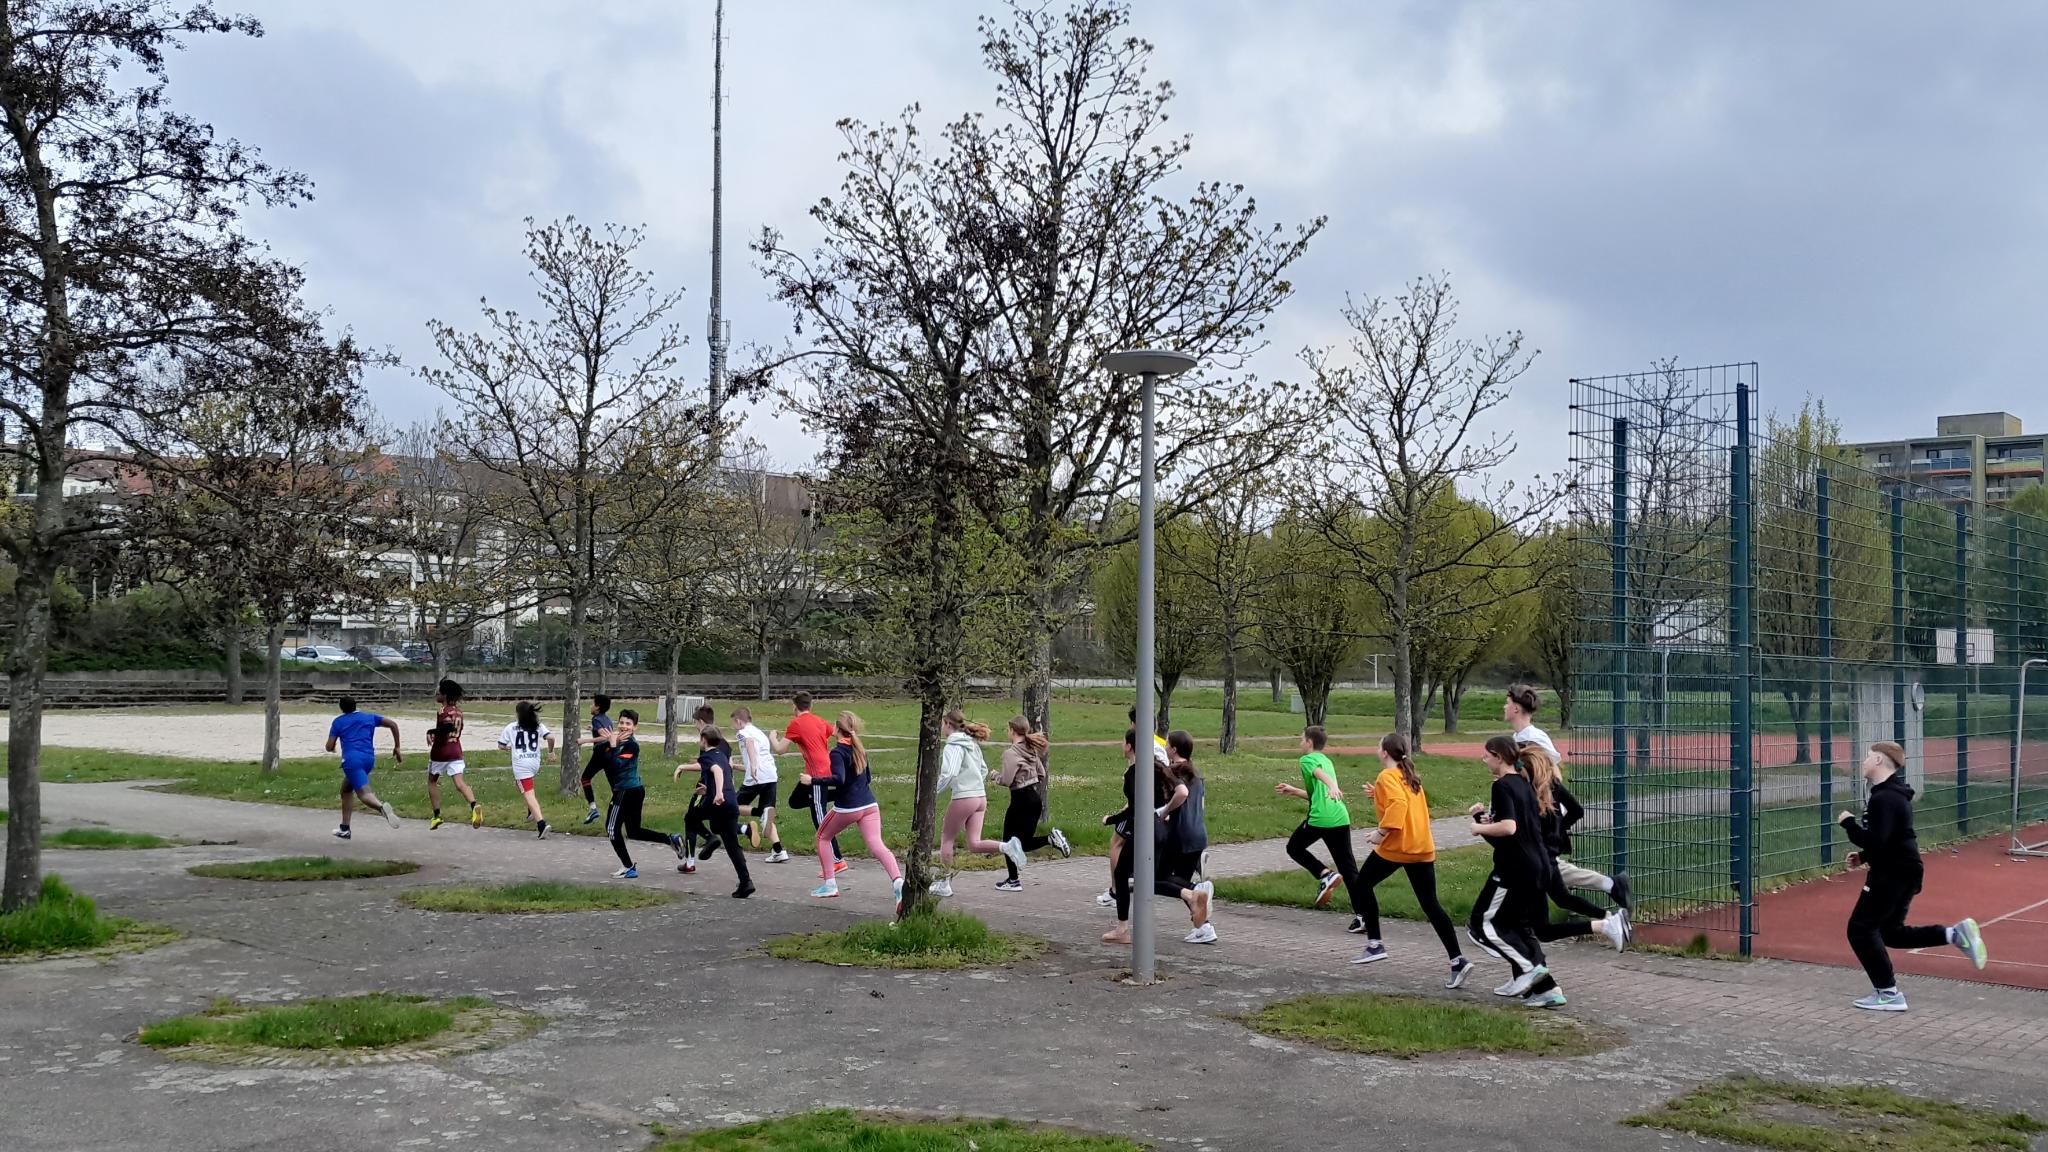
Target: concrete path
x=671 y=1015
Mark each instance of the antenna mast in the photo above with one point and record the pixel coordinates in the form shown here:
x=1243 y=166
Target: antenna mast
x=718 y=332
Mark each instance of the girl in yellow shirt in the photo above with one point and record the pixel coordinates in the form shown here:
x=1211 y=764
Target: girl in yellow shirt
x=1403 y=843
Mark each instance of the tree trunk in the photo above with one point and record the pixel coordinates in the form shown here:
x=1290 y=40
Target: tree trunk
x=1037 y=695
x=1800 y=705
x=572 y=696
x=1411 y=686
x=937 y=666
x=1279 y=697
x=1315 y=697
x=273 y=697
x=764 y=673
x=1428 y=692
x=604 y=669
x=1162 y=721
x=231 y=653
x=441 y=655
x=1226 y=742
x=25 y=665
x=1564 y=706
x=1405 y=677
x=1454 y=695
x=668 y=729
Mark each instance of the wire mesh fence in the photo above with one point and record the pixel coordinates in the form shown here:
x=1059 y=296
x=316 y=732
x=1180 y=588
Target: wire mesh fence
x=1756 y=609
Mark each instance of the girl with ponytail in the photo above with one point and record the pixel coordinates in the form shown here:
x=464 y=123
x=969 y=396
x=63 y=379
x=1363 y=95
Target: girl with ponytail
x=1560 y=811
x=1512 y=902
x=963 y=770
x=1023 y=774
x=853 y=806
x=1403 y=842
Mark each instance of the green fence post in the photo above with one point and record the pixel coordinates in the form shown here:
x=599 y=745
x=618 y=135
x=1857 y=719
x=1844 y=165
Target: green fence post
x=1741 y=734
x=1824 y=578
x=1618 y=611
x=1898 y=618
x=1962 y=668
x=2016 y=644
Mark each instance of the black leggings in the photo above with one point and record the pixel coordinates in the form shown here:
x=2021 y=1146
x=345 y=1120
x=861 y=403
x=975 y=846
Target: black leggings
x=1169 y=877
x=723 y=822
x=1422 y=878
x=1338 y=842
x=590 y=770
x=1020 y=821
x=1548 y=929
x=1878 y=922
x=807 y=795
x=1504 y=922
x=622 y=822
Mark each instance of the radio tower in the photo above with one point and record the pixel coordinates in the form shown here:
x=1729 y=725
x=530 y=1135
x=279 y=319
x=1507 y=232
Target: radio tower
x=718 y=332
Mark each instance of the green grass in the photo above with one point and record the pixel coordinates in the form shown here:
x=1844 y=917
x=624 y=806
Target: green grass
x=533 y=896
x=843 y=1131
x=304 y=868
x=376 y=1020
x=1828 y=1118
x=1459 y=874
x=937 y=939
x=65 y=921
x=1416 y=1026
x=107 y=838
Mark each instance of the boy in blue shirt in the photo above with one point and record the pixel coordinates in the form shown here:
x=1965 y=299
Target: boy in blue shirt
x=356 y=733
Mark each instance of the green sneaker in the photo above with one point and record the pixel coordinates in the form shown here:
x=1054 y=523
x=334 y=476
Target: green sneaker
x=1550 y=999
x=1969 y=942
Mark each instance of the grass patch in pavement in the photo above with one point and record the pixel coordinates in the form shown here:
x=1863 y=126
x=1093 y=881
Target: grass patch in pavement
x=931 y=939
x=533 y=896
x=376 y=1020
x=62 y=921
x=107 y=838
x=1418 y=1026
x=1831 y=1118
x=843 y=1131
x=303 y=868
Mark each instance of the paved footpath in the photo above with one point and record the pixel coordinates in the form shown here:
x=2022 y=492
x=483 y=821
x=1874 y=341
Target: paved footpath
x=672 y=1014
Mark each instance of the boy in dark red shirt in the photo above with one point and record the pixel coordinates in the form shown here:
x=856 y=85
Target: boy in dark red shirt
x=444 y=754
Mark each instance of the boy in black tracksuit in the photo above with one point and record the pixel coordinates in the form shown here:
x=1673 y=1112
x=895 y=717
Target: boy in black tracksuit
x=1887 y=846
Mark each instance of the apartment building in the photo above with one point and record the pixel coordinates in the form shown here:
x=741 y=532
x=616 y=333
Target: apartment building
x=1985 y=456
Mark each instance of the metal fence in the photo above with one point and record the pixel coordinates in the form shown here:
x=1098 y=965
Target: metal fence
x=1755 y=609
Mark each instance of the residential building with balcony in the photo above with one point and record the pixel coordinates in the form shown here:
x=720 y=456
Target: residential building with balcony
x=1982 y=456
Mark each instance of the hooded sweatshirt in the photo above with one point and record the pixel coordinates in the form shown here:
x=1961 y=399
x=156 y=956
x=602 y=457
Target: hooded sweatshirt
x=963 y=768
x=1885 y=834
x=1021 y=767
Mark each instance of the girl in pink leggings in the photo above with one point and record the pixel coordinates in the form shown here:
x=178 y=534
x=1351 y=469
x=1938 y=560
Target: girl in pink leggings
x=853 y=806
x=963 y=771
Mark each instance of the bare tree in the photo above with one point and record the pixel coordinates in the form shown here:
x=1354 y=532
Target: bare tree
x=581 y=416
x=1220 y=555
x=1312 y=619
x=771 y=578
x=1410 y=403
x=119 y=224
x=666 y=572
x=1181 y=629
x=463 y=569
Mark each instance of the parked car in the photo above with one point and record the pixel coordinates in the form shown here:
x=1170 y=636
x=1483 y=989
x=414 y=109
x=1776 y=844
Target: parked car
x=323 y=654
x=378 y=654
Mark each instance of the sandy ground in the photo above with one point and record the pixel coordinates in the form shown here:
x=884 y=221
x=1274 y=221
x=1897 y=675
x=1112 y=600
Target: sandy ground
x=219 y=735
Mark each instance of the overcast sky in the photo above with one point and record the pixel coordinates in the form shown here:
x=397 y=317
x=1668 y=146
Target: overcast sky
x=1849 y=193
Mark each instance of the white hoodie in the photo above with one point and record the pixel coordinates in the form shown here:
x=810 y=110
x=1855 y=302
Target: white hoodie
x=963 y=768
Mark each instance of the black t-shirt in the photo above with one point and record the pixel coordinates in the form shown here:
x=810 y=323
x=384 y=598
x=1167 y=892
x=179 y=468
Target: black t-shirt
x=1521 y=858
x=706 y=759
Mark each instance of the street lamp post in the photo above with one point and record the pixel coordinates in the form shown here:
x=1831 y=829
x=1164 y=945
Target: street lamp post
x=1148 y=364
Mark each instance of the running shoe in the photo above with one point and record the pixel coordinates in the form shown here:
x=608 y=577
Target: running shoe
x=743 y=891
x=591 y=816
x=1460 y=968
x=1059 y=842
x=390 y=813
x=897 y=889
x=1107 y=899
x=1202 y=866
x=778 y=856
x=1970 y=942
x=1482 y=945
x=1330 y=882
x=1013 y=851
x=1620 y=891
x=1206 y=934
x=1615 y=928
x=709 y=850
x=942 y=888
x=1527 y=980
x=1507 y=989
x=1007 y=885
x=476 y=815
x=626 y=874
x=1550 y=999
x=436 y=822
x=1357 y=926
x=688 y=867
x=826 y=891
x=753 y=831
x=1883 y=1000
x=841 y=866
x=341 y=833
x=1372 y=954
x=542 y=827
x=675 y=844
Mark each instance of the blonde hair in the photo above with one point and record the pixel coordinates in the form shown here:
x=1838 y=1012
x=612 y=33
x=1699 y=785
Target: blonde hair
x=1034 y=742
x=1541 y=770
x=960 y=723
x=849 y=726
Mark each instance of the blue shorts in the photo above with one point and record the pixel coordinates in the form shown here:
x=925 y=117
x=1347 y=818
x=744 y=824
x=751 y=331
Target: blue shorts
x=355 y=777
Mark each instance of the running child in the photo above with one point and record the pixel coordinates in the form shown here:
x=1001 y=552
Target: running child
x=1566 y=811
x=1160 y=756
x=963 y=771
x=600 y=744
x=853 y=806
x=1023 y=767
x=1187 y=833
x=356 y=733
x=1512 y=901
x=811 y=735
x=629 y=795
x=1520 y=712
x=1124 y=869
x=696 y=822
x=444 y=755
x=757 y=783
x=524 y=738
x=1887 y=845
x=720 y=806
x=1403 y=842
x=1328 y=822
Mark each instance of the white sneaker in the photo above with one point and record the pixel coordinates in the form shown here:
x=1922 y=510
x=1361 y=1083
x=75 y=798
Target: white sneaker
x=1507 y=989
x=1206 y=934
x=778 y=856
x=1526 y=980
x=1107 y=899
x=942 y=888
x=1013 y=851
x=1616 y=930
x=341 y=833
x=1059 y=842
x=390 y=814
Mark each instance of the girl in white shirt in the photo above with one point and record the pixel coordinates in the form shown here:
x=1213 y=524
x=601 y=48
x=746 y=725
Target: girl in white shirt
x=524 y=737
x=964 y=770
